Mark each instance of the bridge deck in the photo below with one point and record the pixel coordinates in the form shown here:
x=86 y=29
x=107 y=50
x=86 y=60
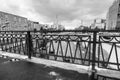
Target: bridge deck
x=67 y=66
x=21 y=69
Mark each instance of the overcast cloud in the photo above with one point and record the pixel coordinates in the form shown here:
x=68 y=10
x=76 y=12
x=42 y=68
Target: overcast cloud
x=69 y=12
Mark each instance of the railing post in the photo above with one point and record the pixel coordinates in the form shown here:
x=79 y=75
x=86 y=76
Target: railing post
x=92 y=77
x=29 y=45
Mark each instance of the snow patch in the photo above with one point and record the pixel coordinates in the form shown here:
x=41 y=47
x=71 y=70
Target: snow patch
x=52 y=73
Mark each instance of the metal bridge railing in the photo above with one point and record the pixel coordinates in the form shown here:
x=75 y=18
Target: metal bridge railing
x=96 y=48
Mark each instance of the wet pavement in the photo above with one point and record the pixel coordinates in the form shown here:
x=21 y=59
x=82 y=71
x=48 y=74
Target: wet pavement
x=23 y=70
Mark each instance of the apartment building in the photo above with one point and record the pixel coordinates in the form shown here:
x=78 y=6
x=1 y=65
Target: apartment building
x=34 y=25
x=113 y=16
x=99 y=24
x=14 y=22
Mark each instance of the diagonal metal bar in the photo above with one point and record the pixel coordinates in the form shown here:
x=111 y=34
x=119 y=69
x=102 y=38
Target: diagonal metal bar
x=117 y=57
x=109 y=56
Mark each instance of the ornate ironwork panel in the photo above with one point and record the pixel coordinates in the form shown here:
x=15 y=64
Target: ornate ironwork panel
x=108 y=50
x=13 y=42
x=63 y=47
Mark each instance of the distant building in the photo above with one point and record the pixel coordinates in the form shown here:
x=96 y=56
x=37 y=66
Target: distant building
x=82 y=27
x=57 y=27
x=113 y=16
x=14 y=22
x=32 y=25
x=99 y=24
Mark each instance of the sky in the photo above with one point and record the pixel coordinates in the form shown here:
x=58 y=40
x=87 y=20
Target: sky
x=70 y=13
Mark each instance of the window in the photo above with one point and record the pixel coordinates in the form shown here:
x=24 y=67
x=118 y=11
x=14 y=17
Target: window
x=118 y=14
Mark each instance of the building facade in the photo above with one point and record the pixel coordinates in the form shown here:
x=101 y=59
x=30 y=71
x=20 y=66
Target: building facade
x=113 y=16
x=14 y=22
x=34 y=25
x=99 y=24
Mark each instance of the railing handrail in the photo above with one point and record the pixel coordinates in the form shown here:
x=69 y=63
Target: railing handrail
x=61 y=30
